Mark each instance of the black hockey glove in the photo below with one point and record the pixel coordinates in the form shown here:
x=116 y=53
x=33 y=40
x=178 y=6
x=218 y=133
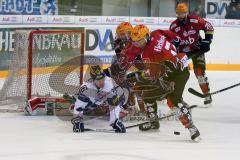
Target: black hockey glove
x=118 y=126
x=205 y=45
x=78 y=125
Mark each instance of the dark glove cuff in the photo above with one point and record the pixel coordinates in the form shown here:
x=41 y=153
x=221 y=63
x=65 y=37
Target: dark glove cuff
x=209 y=37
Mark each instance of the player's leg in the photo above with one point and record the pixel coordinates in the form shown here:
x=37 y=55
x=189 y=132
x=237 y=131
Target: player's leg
x=115 y=121
x=151 y=113
x=199 y=67
x=150 y=93
x=139 y=98
x=140 y=103
x=175 y=101
x=77 y=120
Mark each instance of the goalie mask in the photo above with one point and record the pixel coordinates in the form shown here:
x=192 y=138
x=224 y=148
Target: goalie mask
x=96 y=72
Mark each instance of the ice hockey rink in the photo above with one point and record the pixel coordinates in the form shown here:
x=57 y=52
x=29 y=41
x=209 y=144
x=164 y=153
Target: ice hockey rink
x=49 y=138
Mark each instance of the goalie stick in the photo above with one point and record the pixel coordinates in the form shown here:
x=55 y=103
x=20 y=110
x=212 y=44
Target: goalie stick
x=198 y=94
x=135 y=125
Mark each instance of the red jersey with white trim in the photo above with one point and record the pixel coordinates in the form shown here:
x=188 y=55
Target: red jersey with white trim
x=170 y=35
x=161 y=51
x=189 y=32
x=132 y=51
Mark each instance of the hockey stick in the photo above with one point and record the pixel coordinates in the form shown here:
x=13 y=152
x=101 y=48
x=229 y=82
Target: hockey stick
x=196 y=93
x=161 y=118
x=135 y=125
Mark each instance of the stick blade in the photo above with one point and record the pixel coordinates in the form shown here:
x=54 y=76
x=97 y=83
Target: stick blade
x=196 y=93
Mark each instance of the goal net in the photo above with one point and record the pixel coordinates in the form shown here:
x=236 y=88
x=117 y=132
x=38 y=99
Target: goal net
x=45 y=63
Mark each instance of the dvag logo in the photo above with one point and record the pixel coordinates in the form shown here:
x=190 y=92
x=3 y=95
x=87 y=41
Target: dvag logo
x=216 y=8
x=94 y=39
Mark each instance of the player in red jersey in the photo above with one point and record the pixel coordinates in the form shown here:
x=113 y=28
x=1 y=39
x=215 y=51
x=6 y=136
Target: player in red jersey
x=119 y=66
x=162 y=63
x=187 y=27
x=122 y=39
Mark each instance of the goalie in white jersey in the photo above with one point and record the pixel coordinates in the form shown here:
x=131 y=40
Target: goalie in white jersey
x=99 y=91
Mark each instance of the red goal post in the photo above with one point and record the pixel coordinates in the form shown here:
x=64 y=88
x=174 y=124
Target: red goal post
x=45 y=63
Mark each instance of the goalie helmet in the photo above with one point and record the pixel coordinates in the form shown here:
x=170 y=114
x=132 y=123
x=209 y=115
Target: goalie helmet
x=96 y=72
x=139 y=32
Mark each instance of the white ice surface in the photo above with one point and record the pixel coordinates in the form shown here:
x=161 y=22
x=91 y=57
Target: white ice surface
x=48 y=138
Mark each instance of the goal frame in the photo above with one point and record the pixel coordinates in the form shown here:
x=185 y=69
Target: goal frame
x=30 y=52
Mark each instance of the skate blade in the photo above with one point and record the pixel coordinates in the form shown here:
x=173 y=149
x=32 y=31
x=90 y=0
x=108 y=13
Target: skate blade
x=197 y=139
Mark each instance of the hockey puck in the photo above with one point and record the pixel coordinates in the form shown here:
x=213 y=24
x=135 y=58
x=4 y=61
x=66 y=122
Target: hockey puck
x=176 y=133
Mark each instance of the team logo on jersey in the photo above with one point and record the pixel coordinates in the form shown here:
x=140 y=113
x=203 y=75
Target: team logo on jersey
x=191 y=32
x=100 y=95
x=160 y=44
x=177 y=29
x=194 y=20
x=187 y=41
x=183 y=62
